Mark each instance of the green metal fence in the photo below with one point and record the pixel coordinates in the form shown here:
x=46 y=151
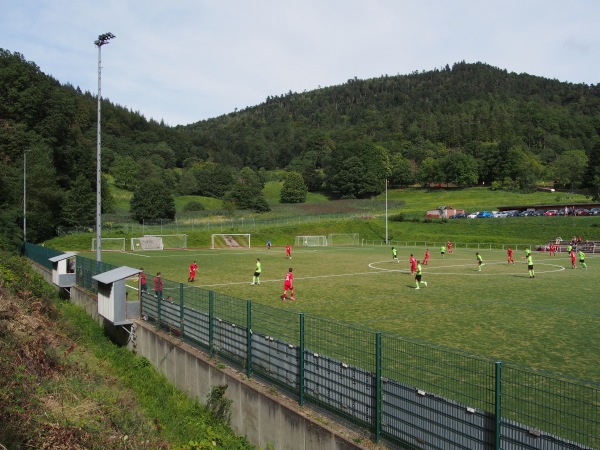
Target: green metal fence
x=406 y=391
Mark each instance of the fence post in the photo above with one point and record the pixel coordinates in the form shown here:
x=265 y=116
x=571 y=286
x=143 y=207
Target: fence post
x=181 y=320
x=249 y=338
x=211 y=330
x=498 y=405
x=378 y=387
x=301 y=360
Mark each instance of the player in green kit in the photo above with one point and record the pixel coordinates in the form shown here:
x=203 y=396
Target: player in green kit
x=443 y=250
x=480 y=263
x=257 y=271
x=582 y=259
x=418 y=276
x=395 y=254
x=530 y=265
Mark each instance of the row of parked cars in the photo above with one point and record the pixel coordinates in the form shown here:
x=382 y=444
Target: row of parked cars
x=529 y=212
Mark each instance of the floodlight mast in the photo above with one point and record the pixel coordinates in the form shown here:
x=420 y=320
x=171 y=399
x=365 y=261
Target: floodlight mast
x=102 y=40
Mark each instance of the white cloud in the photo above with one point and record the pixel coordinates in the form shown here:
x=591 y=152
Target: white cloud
x=189 y=60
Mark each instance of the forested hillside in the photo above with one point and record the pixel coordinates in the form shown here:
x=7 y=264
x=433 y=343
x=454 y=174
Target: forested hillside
x=465 y=125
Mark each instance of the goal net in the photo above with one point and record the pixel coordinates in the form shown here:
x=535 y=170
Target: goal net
x=230 y=241
x=343 y=239
x=110 y=244
x=311 y=241
x=159 y=242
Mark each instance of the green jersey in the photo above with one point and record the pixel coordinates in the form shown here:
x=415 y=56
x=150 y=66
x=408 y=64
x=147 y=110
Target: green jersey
x=581 y=255
x=418 y=269
x=258 y=267
x=443 y=249
x=394 y=252
x=479 y=258
x=529 y=259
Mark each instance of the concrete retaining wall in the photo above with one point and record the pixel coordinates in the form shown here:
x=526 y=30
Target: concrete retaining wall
x=263 y=417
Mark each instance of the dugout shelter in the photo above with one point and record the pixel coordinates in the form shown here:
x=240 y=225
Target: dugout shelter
x=113 y=304
x=61 y=276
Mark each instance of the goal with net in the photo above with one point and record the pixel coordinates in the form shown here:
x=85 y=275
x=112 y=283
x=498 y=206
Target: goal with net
x=230 y=241
x=159 y=242
x=343 y=239
x=311 y=241
x=110 y=244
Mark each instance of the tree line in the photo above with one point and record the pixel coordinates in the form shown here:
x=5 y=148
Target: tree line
x=462 y=125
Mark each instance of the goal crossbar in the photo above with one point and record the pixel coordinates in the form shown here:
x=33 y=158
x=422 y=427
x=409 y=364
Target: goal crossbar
x=311 y=241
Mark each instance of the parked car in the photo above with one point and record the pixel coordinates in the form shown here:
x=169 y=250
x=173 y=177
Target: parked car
x=551 y=212
x=594 y=212
x=500 y=214
x=484 y=215
x=472 y=215
x=525 y=213
x=458 y=216
x=582 y=212
x=538 y=212
x=513 y=213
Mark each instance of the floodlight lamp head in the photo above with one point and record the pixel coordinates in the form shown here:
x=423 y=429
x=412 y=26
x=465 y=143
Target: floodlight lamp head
x=104 y=38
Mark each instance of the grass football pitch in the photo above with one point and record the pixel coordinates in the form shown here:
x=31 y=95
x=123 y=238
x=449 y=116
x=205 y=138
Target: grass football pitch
x=551 y=322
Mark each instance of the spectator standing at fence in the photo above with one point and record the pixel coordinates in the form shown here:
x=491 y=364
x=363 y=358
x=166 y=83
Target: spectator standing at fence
x=582 y=259
x=193 y=269
x=143 y=285
x=509 y=253
x=418 y=275
x=158 y=285
x=288 y=251
x=395 y=254
x=426 y=260
x=257 y=271
x=480 y=263
x=288 y=285
x=443 y=250
x=530 y=265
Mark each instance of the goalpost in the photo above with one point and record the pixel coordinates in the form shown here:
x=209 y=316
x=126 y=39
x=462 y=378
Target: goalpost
x=159 y=242
x=343 y=239
x=230 y=241
x=311 y=241
x=110 y=244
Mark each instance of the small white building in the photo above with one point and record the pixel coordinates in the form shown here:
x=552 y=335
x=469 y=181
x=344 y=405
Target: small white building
x=113 y=304
x=63 y=269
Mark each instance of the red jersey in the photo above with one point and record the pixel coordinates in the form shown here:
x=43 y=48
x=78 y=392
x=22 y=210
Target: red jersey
x=413 y=263
x=158 y=284
x=509 y=252
x=289 y=279
x=193 y=268
x=288 y=249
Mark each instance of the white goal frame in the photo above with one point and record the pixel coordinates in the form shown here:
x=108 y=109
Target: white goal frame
x=110 y=244
x=230 y=240
x=343 y=239
x=311 y=241
x=159 y=242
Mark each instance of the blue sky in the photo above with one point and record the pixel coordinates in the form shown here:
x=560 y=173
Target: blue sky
x=183 y=61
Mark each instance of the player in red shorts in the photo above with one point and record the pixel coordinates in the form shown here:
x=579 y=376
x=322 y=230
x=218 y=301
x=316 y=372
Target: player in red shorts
x=509 y=252
x=288 y=251
x=413 y=264
x=552 y=249
x=449 y=247
x=193 y=269
x=288 y=285
x=426 y=260
x=573 y=265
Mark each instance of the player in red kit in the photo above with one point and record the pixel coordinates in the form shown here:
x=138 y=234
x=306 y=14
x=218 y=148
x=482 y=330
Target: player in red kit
x=426 y=260
x=449 y=247
x=288 y=285
x=288 y=251
x=193 y=269
x=573 y=265
x=509 y=252
x=552 y=249
x=413 y=264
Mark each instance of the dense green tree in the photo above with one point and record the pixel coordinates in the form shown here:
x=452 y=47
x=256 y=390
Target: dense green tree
x=125 y=172
x=246 y=192
x=357 y=170
x=430 y=171
x=570 y=167
x=460 y=169
x=402 y=173
x=152 y=200
x=294 y=190
x=80 y=202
